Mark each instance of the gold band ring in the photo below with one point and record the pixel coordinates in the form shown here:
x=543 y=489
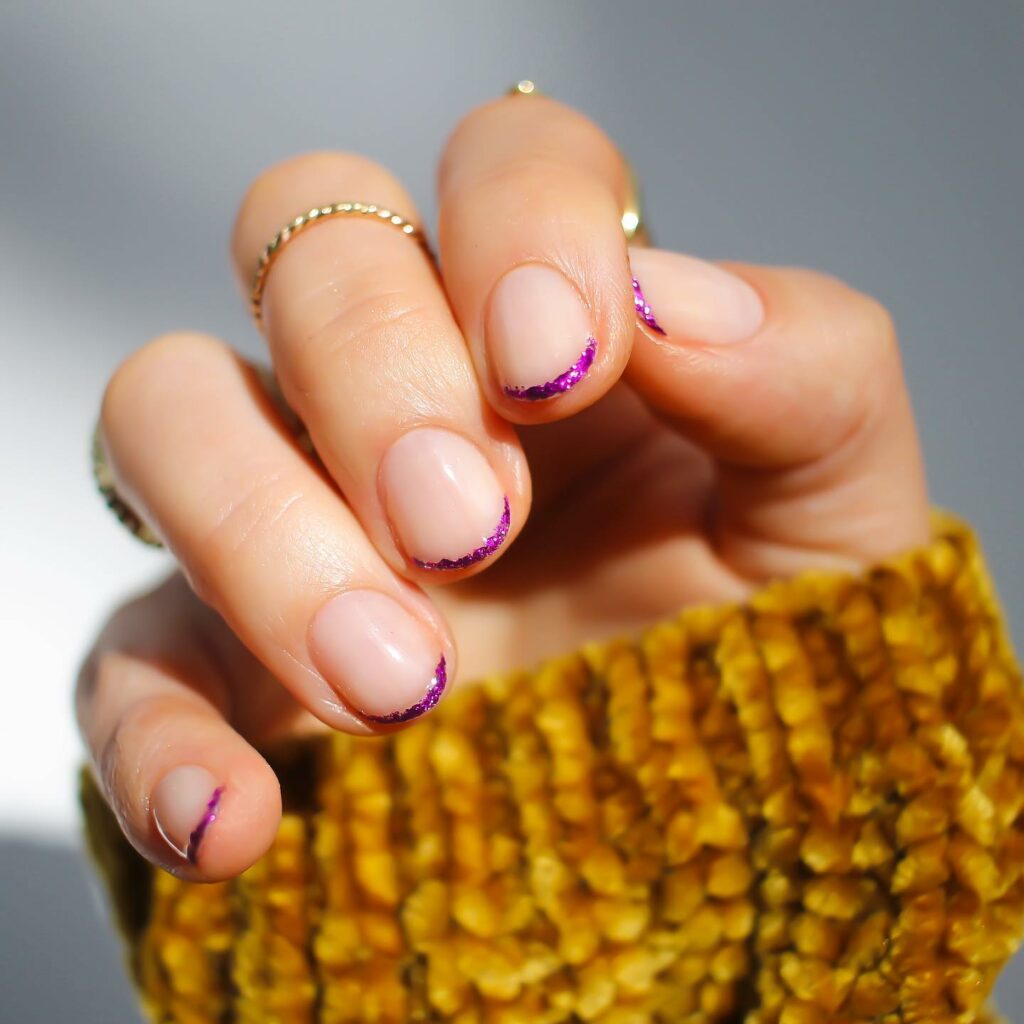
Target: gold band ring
x=306 y=220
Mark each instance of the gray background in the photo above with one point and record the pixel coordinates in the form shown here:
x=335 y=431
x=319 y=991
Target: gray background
x=880 y=141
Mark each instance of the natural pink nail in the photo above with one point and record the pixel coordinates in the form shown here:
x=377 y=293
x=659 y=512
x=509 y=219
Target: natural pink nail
x=540 y=338
x=686 y=299
x=445 y=503
x=186 y=802
x=387 y=665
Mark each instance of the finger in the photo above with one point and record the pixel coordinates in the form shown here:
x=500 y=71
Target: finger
x=188 y=791
x=793 y=382
x=368 y=354
x=197 y=451
x=533 y=255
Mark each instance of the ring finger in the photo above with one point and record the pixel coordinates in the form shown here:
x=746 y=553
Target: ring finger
x=368 y=354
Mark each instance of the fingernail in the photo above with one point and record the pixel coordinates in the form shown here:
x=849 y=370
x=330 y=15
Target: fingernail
x=643 y=309
x=540 y=337
x=688 y=299
x=385 y=663
x=186 y=803
x=444 y=501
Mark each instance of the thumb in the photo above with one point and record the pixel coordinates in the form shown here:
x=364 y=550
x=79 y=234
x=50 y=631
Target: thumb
x=792 y=382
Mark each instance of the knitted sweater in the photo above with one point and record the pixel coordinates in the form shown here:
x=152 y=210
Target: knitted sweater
x=806 y=809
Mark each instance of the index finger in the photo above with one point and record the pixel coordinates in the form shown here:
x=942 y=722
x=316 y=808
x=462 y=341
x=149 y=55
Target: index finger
x=533 y=255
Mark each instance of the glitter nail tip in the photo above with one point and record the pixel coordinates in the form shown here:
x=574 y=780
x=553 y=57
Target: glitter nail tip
x=564 y=382
x=208 y=818
x=430 y=699
x=643 y=309
x=485 y=550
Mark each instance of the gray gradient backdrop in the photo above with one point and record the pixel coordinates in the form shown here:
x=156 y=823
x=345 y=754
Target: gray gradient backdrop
x=881 y=141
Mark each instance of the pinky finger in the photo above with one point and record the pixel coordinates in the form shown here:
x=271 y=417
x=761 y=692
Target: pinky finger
x=188 y=791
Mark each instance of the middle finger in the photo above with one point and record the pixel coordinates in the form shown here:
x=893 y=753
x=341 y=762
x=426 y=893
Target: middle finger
x=368 y=354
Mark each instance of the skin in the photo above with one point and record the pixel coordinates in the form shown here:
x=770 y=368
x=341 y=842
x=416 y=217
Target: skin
x=676 y=472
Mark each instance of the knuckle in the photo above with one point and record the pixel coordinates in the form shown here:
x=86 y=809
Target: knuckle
x=881 y=326
x=869 y=325
x=859 y=324
x=136 y=625
x=103 y=677
x=544 y=173
x=374 y=331
x=122 y=761
x=865 y=338
x=250 y=530
x=545 y=189
x=141 y=726
x=551 y=127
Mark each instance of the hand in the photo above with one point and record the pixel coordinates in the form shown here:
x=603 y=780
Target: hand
x=755 y=423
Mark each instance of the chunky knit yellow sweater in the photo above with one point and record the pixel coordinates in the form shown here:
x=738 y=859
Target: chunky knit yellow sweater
x=803 y=810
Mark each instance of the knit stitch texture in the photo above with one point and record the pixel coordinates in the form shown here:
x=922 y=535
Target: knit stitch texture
x=806 y=809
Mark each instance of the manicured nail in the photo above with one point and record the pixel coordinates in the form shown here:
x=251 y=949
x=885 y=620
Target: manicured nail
x=444 y=501
x=385 y=663
x=687 y=299
x=186 y=803
x=643 y=309
x=539 y=334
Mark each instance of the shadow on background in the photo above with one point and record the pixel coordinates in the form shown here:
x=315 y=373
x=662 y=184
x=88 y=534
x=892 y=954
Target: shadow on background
x=61 y=963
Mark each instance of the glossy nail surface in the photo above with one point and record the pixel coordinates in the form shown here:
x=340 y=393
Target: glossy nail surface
x=445 y=503
x=540 y=338
x=186 y=803
x=385 y=663
x=687 y=299
x=643 y=309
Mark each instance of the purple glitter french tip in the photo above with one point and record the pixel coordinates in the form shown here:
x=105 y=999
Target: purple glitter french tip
x=430 y=699
x=208 y=818
x=643 y=309
x=565 y=382
x=485 y=550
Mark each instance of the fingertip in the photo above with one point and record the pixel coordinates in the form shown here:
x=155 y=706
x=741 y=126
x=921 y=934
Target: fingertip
x=190 y=793
x=388 y=656
x=212 y=822
x=550 y=352
x=452 y=506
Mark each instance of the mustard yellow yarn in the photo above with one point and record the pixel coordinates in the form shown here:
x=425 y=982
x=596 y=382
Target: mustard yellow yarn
x=803 y=810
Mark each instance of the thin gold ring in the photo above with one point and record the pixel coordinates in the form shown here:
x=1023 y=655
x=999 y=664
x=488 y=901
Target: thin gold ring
x=306 y=220
x=633 y=225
